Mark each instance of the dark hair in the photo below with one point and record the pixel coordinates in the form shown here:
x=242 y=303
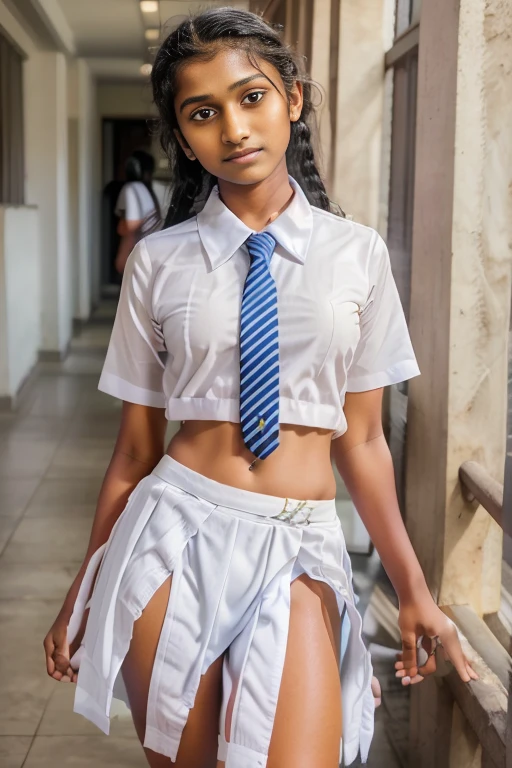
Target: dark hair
x=201 y=36
x=140 y=166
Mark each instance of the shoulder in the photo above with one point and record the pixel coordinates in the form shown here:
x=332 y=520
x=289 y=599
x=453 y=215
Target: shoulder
x=171 y=234
x=140 y=189
x=160 y=245
x=341 y=224
x=129 y=187
x=126 y=193
x=135 y=189
x=361 y=238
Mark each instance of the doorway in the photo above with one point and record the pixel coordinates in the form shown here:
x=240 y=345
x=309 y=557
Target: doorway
x=121 y=136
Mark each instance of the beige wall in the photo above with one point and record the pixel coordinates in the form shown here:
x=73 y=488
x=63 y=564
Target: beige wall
x=481 y=289
x=15 y=31
x=352 y=162
x=320 y=73
x=89 y=158
x=46 y=138
x=124 y=100
x=360 y=106
x=20 y=299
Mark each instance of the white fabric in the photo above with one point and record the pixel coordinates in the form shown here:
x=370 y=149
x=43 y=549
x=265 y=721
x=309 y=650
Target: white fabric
x=232 y=558
x=134 y=202
x=175 y=341
x=163 y=190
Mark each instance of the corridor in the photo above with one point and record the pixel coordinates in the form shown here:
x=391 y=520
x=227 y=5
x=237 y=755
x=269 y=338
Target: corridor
x=53 y=454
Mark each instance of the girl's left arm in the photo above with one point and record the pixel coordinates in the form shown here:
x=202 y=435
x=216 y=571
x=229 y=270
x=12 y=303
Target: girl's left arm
x=364 y=462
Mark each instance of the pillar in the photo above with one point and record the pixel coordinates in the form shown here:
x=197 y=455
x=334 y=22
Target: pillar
x=459 y=322
x=47 y=187
x=320 y=73
x=360 y=83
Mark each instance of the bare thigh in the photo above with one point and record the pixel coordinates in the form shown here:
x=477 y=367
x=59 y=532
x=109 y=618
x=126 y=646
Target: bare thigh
x=308 y=722
x=199 y=741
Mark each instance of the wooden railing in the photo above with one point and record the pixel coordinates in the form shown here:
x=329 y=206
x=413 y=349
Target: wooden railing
x=478 y=484
x=484 y=702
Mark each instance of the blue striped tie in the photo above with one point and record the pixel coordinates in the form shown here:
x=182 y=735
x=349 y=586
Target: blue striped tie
x=259 y=351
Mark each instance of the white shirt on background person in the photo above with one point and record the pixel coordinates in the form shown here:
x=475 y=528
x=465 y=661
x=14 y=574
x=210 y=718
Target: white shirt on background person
x=135 y=202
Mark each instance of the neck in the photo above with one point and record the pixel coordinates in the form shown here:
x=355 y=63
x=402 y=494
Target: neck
x=258 y=204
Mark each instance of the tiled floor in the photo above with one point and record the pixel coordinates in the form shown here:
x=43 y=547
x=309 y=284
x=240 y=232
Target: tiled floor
x=53 y=455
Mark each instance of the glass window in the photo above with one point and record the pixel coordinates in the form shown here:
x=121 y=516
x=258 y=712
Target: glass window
x=415 y=11
x=407 y=13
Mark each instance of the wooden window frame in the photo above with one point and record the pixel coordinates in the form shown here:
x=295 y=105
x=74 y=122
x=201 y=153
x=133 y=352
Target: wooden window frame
x=402 y=59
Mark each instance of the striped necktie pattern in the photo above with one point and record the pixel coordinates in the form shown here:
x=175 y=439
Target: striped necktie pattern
x=259 y=351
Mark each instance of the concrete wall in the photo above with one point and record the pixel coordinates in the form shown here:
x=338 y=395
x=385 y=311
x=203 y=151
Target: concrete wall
x=481 y=289
x=61 y=143
x=88 y=201
x=20 y=300
x=15 y=31
x=320 y=73
x=124 y=100
x=354 y=163
x=20 y=292
x=358 y=137
x=46 y=141
x=73 y=181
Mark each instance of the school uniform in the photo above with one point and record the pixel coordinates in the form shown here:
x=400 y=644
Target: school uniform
x=135 y=203
x=233 y=553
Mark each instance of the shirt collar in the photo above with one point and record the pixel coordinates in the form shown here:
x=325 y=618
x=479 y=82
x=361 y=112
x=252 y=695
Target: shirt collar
x=222 y=233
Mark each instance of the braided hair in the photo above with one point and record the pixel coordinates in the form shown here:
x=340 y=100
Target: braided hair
x=201 y=37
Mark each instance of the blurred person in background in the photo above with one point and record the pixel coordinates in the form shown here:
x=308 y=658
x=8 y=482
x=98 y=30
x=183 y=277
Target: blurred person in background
x=137 y=206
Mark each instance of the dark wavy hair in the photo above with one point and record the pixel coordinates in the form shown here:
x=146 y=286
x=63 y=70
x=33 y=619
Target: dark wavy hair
x=201 y=37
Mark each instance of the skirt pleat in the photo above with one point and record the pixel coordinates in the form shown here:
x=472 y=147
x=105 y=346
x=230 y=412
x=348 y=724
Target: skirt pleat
x=231 y=577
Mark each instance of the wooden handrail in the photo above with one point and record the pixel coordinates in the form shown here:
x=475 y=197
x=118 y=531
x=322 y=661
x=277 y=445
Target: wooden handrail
x=483 y=702
x=477 y=484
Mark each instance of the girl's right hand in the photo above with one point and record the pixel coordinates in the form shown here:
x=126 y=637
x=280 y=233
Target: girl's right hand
x=57 y=653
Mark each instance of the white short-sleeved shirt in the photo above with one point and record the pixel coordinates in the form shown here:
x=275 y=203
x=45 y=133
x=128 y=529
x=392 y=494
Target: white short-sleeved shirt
x=175 y=340
x=135 y=202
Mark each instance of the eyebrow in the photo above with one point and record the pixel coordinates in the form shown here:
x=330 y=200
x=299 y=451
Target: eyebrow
x=206 y=96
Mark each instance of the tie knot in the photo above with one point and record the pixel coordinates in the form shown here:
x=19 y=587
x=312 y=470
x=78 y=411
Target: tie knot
x=261 y=244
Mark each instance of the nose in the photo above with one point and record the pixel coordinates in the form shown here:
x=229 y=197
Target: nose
x=234 y=127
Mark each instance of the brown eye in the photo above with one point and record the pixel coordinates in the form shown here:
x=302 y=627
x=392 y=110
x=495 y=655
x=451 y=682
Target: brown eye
x=202 y=114
x=258 y=94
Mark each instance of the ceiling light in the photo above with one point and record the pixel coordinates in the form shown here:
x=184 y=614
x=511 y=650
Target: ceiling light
x=152 y=34
x=146 y=70
x=149 y=6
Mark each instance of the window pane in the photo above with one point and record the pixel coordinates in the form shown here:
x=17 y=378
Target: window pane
x=415 y=11
x=407 y=13
x=403 y=15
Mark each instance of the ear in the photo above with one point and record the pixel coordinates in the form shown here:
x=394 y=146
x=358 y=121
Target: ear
x=183 y=144
x=296 y=101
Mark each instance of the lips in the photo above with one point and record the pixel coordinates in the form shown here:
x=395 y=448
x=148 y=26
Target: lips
x=243 y=153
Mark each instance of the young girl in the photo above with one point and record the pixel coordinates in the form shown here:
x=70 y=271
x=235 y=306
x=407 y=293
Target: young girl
x=217 y=574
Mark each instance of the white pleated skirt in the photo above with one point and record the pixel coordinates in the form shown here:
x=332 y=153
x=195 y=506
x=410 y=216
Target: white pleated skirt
x=233 y=554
